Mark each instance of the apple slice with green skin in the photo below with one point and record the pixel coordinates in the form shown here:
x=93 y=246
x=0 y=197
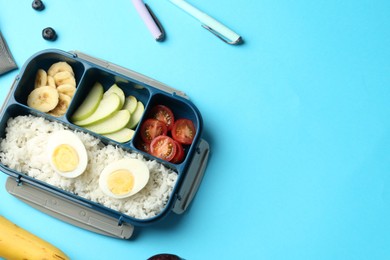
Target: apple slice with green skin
x=122 y=136
x=136 y=116
x=130 y=104
x=107 y=106
x=111 y=124
x=117 y=90
x=90 y=103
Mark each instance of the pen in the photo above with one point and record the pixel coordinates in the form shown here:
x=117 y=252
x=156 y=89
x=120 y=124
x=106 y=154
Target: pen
x=150 y=20
x=209 y=23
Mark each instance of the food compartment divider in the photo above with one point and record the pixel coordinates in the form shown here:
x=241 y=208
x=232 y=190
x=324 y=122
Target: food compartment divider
x=43 y=61
x=106 y=79
x=93 y=75
x=180 y=109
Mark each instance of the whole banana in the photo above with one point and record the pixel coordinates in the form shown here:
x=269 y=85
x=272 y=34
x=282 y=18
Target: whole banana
x=17 y=243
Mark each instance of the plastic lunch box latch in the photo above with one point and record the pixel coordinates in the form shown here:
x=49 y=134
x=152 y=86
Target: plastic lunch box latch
x=193 y=179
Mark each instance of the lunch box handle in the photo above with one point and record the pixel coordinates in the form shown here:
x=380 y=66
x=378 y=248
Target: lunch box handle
x=67 y=210
x=193 y=178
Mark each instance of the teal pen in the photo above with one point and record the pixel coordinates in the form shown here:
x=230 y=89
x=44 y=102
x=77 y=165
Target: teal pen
x=218 y=29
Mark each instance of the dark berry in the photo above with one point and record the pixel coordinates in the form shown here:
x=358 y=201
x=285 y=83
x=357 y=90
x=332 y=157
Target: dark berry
x=164 y=257
x=38 y=5
x=49 y=34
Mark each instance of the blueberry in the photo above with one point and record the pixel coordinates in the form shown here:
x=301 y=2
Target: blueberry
x=38 y=5
x=164 y=257
x=49 y=34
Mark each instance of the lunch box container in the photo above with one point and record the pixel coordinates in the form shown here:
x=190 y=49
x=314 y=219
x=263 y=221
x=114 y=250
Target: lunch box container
x=72 y=208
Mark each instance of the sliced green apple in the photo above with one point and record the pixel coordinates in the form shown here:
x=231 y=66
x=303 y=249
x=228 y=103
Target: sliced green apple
x=136 y=116
x=112 y=124
x=90 y=103
x=122 y=136
x=117 y=90
x=107 y=106
x=130 y=103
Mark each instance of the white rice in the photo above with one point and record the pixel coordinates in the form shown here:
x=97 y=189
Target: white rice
x=23 y=150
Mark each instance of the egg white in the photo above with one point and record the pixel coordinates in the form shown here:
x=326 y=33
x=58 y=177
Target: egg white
x=71 y=139
x=139 y=170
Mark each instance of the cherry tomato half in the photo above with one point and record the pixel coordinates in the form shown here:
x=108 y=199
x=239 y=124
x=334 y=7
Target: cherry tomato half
x=183 y=131
x=163 y=114
x=179 y=156
x=163 y=147
x=152 y=128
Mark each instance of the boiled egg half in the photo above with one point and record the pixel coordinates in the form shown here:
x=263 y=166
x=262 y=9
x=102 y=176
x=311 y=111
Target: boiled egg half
x=67 y=154
x=124 y=178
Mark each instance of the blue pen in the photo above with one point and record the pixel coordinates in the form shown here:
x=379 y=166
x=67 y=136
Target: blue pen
x=218 y=29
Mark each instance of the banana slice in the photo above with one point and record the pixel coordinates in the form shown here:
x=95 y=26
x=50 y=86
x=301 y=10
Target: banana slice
x=62 y=106
x=59 y=67
x=67 y=89
x=64 y=77
x=43 y=98
x=51 y=82
x=40 y=78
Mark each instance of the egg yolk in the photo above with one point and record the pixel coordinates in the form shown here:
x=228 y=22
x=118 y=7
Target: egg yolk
x=65 y=158
x=120 y=182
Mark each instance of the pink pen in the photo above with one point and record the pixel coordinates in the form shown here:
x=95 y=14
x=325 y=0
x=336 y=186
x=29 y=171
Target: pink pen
x=150 y=20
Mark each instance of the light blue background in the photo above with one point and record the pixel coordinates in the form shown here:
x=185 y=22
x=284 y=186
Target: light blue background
x=298 y=119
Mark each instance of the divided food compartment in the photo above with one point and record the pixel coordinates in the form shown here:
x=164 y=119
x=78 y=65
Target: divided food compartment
x=88 y=70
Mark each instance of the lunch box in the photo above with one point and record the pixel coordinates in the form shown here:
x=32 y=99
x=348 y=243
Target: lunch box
x=72 y=208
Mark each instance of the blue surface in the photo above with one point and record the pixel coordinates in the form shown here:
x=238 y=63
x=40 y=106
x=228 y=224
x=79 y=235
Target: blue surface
x=298 y=119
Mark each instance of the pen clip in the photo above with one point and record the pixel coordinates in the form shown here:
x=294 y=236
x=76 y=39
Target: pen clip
x=154 y=17
x=223 y=38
